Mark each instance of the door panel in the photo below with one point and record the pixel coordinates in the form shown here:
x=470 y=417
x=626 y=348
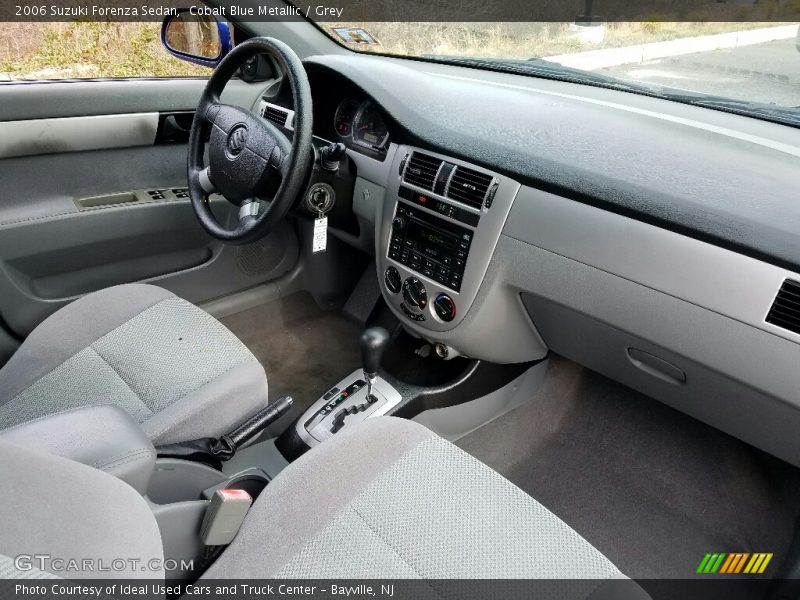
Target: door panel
x=74 y=220
x=25 y=100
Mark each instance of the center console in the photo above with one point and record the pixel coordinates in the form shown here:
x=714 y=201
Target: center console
x=441 y=223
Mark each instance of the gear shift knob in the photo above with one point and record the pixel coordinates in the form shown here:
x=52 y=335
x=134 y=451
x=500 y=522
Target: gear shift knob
x=373 y=343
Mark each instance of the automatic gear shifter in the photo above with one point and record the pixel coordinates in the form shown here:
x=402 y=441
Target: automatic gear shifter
x=360 y=395
x=373 y=344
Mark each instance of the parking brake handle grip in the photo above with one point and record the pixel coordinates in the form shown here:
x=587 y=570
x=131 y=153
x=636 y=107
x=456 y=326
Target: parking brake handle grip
x=214 y=451
x=258 y=422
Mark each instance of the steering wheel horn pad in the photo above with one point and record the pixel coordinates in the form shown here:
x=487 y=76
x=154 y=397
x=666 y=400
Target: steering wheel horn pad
x=244 y=153
x=248 y=155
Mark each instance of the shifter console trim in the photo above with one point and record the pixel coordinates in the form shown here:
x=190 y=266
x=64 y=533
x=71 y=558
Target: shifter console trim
x=322 y=420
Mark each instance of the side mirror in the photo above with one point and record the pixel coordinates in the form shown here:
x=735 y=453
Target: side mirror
x=199 y=39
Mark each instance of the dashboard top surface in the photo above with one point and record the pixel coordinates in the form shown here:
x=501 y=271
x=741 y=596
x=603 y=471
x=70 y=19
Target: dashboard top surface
x=726 y=179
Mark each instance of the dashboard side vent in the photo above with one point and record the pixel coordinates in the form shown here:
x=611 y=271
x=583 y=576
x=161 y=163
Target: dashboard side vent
x=785 y=311
x=469 y=186
x=275 y=114
x=421 y=170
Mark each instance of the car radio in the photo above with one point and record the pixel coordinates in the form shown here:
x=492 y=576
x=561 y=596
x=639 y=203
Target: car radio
x=429 y=245
x=439 y=223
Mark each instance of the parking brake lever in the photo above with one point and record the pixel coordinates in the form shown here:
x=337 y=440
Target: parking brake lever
x=217 y=450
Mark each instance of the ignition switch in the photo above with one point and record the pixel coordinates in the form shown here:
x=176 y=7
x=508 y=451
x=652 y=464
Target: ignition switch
x=320 y=198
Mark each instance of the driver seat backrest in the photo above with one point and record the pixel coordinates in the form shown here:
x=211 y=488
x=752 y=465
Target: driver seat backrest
x=69 y=511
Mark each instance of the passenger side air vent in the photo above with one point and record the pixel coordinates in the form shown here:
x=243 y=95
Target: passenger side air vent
x=275 y=114
x=469 y=186
x=421 y=170
x=785 y=311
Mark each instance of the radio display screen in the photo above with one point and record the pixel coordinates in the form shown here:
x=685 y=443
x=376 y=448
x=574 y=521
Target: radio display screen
x=430 y=241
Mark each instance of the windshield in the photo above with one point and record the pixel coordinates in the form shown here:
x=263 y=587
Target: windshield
x=750 y=67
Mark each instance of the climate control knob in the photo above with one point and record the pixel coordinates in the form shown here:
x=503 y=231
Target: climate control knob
x=444 y=307
x=392 y=280
x=414 y=293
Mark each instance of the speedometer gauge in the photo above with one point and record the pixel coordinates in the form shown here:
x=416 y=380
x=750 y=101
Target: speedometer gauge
x=345 y=115
x=369 y=128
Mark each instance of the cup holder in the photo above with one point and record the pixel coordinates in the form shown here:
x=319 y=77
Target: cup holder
x=176 y=480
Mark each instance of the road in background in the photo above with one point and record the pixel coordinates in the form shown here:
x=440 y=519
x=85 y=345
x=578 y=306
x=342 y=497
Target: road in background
x=768 y=73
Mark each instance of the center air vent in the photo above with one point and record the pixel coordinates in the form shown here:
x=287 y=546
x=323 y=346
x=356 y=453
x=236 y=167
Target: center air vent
x=275 y=114
x=421 y=170
x=785 y=311
x=469 y=186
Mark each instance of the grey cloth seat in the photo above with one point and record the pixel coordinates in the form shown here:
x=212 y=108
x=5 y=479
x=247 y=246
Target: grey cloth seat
x=177 y=370
x=385 y=499
x=391 y=499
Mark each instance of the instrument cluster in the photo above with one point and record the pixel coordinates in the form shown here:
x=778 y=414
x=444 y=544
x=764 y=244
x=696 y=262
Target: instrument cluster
x=360 y=123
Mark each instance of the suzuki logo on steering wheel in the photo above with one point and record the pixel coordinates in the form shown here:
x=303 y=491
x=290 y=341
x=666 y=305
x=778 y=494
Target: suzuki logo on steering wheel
x=237 y=139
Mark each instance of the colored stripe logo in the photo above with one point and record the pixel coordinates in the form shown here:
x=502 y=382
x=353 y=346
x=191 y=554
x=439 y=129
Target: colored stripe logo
x=734 y=563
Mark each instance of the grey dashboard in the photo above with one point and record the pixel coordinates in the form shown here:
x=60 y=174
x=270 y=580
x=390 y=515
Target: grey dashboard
x=645 y=239
x=722 y=178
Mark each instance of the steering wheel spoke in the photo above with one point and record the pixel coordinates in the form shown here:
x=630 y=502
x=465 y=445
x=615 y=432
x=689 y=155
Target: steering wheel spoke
x=204 y=179
x=246 y=154
x=249 y=209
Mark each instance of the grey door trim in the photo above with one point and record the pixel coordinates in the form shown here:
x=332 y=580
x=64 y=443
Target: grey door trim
x=74 y=134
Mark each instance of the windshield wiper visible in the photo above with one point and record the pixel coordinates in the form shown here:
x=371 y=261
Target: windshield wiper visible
x=539 y=67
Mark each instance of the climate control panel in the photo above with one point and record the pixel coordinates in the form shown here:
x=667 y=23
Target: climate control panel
x=439 y=224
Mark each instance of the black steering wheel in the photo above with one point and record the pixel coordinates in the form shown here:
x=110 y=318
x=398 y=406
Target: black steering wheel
x=248 y=156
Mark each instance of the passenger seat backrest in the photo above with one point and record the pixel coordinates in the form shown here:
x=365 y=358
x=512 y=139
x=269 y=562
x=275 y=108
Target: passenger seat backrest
x=57 y=507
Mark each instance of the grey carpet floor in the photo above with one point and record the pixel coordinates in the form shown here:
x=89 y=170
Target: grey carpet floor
x=650 y=487
x=304 y=349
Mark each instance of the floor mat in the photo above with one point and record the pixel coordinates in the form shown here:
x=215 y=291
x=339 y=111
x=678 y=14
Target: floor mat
x=304 y=349
x=651 y=488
